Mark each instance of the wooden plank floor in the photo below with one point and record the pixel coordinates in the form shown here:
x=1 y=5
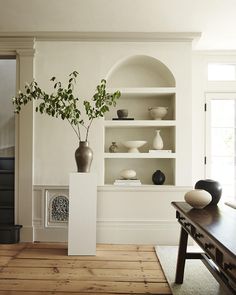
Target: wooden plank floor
x=45 y=268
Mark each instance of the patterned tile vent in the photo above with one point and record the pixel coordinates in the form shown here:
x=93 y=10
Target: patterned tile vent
x=57 y=208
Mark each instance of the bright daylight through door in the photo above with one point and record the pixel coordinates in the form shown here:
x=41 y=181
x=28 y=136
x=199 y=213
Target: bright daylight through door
x=221 y=162
x=221 y=131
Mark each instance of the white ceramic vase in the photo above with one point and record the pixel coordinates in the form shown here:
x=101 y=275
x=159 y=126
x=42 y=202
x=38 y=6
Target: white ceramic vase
x=157 y=141
x=198 y=198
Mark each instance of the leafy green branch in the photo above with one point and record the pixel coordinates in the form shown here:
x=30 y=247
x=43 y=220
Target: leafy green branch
x=62 y=103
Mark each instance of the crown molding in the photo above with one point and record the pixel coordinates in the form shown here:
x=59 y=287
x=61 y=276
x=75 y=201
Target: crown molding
x=105 y=36
x=217 y=52
x=17 y=45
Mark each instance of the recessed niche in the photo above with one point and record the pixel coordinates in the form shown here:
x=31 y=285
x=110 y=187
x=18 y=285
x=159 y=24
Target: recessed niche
x=145 y=82
x=140 y=71
x=138 y=105
x=120 y=135
x=143 y=167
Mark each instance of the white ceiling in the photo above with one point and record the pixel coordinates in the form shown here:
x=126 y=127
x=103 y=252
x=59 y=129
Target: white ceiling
x=215 y=19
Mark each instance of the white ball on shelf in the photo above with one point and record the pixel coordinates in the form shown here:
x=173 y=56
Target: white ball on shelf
x=128 y=174
x=198 y=198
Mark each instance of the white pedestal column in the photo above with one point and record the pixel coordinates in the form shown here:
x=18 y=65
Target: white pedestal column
x=82 y=214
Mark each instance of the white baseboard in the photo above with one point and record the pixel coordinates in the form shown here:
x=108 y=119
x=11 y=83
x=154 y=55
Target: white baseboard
x=156 y=232
x=138 y=232
x=50 y=234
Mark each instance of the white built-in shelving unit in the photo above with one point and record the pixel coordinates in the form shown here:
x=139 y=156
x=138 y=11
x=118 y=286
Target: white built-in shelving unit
x=144 y=82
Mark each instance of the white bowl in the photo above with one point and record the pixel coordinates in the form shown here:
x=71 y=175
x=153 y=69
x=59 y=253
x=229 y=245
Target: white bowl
x=157 y=113
x=198 y=198
x=128 y=174
x=133 y=145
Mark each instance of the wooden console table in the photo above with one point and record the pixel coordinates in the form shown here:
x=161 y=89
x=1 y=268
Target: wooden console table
x=214 y=230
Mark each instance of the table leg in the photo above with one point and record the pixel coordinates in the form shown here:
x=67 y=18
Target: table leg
x=179 y=275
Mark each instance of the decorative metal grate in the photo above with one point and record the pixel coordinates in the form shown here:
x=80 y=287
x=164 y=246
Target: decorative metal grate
x=56 y=207
x=59 y=209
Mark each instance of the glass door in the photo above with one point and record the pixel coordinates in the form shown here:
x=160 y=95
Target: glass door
x=221 y=141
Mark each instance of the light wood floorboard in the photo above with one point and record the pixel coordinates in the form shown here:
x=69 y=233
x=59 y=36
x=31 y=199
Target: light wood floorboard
x=45 y=268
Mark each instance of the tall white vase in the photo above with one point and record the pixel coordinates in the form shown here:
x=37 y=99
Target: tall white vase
x=157 y=141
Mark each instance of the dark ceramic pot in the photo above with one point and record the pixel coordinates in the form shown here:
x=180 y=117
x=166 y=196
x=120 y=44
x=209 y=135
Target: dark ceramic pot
x=211 y=186
x=123 y=113
x=83 y=157
x=158 y=177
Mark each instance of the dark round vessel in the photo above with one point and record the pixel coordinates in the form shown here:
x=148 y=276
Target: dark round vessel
x=211 y=186
x=158 y=177
x=123 y=113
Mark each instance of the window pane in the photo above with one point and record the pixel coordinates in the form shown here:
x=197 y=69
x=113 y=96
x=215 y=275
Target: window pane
x=222 y=169
x=222 y=112
x=221 y=72
x=222 y=159
x=222 y=142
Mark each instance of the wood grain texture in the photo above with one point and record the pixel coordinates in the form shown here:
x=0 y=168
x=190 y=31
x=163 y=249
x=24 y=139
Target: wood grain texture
x=45 y=268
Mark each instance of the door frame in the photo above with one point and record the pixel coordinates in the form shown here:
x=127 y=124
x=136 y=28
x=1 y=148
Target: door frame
x=23 y=50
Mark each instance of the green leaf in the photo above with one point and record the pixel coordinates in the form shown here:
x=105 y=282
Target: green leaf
x=63 y=103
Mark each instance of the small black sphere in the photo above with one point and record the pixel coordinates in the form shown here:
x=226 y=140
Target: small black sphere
x=158 y=177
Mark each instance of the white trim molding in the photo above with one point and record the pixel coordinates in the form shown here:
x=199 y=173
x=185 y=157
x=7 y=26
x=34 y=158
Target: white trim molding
x=106 y=36
x=138 y=231
x=12 y=45
x=121 y=231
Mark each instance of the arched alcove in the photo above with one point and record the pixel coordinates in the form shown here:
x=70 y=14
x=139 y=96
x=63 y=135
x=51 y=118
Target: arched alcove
x=140 y=71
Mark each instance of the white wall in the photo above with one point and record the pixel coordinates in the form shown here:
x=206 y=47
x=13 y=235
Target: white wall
x=7 y=91
x=142 y=215
x=55 y=141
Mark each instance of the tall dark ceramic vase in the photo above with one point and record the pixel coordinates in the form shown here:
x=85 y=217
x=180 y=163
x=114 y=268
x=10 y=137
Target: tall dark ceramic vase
x=83 y=157
x=211 y=186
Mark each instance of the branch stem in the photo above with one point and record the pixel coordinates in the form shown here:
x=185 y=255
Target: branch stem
x=86 y=139
x=76 y=132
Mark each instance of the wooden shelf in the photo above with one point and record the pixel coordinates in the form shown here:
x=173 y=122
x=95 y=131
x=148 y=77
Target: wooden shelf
x=139 y=155
x=139 y=123
x=144 y=187
x=145 y=90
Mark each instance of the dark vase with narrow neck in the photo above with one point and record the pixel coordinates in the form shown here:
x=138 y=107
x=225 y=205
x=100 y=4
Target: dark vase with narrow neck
x=83 y=157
